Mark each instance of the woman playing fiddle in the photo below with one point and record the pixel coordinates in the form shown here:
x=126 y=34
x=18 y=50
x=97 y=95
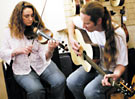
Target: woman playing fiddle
x=31 y=60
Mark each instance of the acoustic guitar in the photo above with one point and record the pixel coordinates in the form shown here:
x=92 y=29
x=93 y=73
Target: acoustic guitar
x=92 y=51
x=121 y=86
x=117 y=2
x=87 y=61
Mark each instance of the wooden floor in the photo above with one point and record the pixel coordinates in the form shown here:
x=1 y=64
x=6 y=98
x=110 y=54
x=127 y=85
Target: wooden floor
x=120 y=96
x=117 y=96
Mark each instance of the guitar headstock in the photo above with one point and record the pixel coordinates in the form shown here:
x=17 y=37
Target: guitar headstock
x=125 y=89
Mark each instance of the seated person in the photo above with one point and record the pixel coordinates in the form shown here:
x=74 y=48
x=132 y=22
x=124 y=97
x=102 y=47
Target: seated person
x=31 y=59
x=96 y=20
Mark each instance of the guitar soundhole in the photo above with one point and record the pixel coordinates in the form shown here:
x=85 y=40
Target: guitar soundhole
x=96 y=54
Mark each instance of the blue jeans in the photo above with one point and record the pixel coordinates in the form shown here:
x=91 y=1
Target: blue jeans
x=35 y=89
x=86 y=85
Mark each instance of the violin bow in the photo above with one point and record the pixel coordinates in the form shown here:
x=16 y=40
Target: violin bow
x=42 y=12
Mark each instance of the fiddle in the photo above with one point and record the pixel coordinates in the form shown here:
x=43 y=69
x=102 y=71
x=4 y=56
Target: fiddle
x=45 y=35
x=44 y=40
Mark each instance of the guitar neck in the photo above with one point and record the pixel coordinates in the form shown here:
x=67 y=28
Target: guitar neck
x=99 y=69
x=94 y=65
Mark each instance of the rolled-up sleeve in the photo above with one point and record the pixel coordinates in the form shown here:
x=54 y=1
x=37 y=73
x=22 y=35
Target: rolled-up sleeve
x=122 y=55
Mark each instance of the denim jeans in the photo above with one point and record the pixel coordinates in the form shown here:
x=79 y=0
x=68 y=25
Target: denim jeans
x=86 y=85
x=35 y=89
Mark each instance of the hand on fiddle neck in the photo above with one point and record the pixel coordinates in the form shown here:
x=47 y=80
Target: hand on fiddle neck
x=52 y=44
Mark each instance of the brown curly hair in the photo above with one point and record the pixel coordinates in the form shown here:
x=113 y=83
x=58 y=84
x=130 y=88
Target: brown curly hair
x=16 y=24
x=96 y=11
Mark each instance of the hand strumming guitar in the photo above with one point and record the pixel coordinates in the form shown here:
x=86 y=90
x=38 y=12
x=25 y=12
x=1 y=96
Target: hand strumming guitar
x=75 y=46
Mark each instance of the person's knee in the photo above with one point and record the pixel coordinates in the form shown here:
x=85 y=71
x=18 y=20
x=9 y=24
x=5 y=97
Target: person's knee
x=59 y=82
x=71 y=83
x=89 y=93
x=36 y=93
x=92 y=93
x=35 y=89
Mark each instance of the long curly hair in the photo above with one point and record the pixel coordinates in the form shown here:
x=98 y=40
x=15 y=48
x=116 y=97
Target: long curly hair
x=96 y=11
x=16 y=24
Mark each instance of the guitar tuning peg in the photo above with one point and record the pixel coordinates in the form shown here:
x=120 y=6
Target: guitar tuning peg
x=125 y=94
x=62 y=42
x=65 y=44
x=122 y=91
x=63 y=51
x=66 y=47
x=123 y=81
x=126 y=90
x=118 y=90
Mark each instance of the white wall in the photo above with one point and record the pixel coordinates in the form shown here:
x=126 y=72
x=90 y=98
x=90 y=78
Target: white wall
x=54 y=16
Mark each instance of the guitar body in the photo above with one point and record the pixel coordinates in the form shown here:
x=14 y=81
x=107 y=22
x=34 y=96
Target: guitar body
x=87 y=60
x=117 y=2
x=79 y=60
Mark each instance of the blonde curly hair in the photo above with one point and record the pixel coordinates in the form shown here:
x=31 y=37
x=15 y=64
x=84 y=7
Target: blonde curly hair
x=16 y=24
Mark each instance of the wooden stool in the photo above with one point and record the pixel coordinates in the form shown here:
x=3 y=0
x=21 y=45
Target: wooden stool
x=3 y=90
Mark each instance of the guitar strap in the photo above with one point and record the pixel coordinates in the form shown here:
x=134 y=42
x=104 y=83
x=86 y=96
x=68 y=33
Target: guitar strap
x=85 y=36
